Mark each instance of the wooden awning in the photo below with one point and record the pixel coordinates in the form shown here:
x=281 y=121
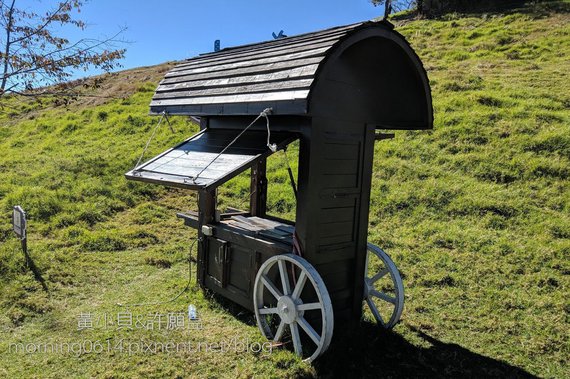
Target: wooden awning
x=197 y=163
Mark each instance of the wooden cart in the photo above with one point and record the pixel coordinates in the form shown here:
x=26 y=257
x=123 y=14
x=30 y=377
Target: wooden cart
x=332 y=90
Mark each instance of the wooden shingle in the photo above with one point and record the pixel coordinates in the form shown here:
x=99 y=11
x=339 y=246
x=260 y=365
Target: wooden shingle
x=245 y=79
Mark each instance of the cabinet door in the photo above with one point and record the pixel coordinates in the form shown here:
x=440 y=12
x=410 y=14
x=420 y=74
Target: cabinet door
x=240 y=269
x=217 y=265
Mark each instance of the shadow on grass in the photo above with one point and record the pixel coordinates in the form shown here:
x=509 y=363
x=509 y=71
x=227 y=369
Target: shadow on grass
x=35 y=270
x=369 y=352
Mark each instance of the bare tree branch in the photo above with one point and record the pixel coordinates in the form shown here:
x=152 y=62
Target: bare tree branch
x=49 y=19
x=33 y=55
x=7 y=48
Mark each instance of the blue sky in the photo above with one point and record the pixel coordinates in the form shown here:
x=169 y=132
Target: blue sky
x=166 y=30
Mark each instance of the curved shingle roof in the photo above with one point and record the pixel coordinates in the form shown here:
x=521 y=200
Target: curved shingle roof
x=239 y=80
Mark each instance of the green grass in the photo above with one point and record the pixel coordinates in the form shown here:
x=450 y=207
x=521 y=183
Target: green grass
x=476 y=214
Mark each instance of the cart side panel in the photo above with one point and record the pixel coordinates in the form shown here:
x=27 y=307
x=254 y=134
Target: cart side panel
x=332 y=215
x=231 y=261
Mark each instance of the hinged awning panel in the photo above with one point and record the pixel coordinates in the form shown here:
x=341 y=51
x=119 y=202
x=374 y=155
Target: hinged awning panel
x=197 y=164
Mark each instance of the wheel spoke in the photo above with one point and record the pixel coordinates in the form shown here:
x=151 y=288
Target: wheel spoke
x=379 y=275
x=309 y=306
x=293 y=325
x=296 y=338
x=375 y=312
x=279 y=332
x=271 y=287
x=383 y=296
x=309 y=330
x=284 y=277
x=299 y=286
x=393 y=296
x=267 y=311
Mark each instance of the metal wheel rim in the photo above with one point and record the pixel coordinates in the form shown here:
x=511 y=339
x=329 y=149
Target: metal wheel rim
x=297 y=323
x=370 y=292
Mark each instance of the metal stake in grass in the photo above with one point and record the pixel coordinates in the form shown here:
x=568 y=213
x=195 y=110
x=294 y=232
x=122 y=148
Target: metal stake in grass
x=20 y=224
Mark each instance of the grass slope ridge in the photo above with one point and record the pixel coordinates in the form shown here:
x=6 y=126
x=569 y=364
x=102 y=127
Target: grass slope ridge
x=475 y=213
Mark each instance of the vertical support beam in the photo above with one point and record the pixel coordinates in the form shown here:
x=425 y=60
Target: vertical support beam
x=303 y=212
x=362 y=232
x=206 y=215
x=258 y=199
x=204 y=123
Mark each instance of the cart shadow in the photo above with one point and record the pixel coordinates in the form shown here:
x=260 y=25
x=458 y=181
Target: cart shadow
x=368 y=351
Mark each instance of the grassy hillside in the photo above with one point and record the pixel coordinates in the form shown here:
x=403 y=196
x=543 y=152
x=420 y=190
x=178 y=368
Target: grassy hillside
x=476 y=214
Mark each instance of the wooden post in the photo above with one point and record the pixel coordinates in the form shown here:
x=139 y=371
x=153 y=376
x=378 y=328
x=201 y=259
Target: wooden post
x=362 y=233
x=206 y=215
x=258 y=199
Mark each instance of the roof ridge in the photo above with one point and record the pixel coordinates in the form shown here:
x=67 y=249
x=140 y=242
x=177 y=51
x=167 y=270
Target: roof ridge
x=285 y=39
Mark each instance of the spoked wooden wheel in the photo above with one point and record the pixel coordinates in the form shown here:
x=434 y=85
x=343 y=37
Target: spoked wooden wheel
x=292 y=304
x=383 y=287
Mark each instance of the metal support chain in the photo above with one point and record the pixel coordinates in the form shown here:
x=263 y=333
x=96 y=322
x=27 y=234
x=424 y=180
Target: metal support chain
x=164 y=115
x=273 y=147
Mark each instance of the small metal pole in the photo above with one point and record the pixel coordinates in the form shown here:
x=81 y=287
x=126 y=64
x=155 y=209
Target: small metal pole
x=25 y=250
x=19 y=224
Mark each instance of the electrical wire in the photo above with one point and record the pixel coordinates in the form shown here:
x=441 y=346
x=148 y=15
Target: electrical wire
x=181 y=292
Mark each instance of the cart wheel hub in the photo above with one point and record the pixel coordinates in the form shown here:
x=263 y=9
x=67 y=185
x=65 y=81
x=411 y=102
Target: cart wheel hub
x=287 y=309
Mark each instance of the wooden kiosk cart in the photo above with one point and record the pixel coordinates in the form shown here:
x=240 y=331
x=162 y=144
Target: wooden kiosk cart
x=332 y=90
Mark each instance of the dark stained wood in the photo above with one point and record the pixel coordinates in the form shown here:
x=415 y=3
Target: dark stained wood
x=251 y=88
x=294 y=107
x=206 y=215
x=254 y=62
x=191 y=220
x=383 y=136
x=388 y=85
x=266 y=68
x=362 y=230
x=278 y=123
x=283 y=54
x=331 y=89
x=215 y=80
x=230 y=293
x=246 y=71
x=280 y=95
x=233 y=235
x=263 y=46
x=217 y=261
x=184 y=165
x=258 y=189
